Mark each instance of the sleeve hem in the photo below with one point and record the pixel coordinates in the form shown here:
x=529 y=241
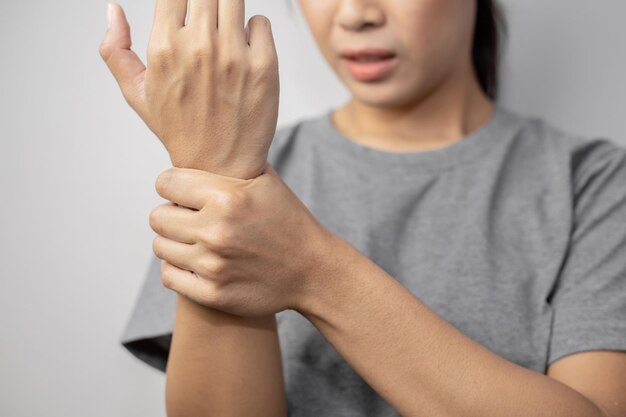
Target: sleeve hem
x=585 y=338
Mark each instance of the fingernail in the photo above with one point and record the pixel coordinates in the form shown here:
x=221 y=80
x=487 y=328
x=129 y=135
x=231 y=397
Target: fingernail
x=109 y=15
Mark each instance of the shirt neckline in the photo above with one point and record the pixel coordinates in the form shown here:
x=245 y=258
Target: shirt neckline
x=472 y=145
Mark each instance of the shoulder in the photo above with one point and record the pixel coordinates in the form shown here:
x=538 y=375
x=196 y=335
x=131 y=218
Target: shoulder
x=593 y=168
x=580 y=156
x=598 y=160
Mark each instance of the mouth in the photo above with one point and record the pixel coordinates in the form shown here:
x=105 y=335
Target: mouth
x=367 y=54
x=369 y=64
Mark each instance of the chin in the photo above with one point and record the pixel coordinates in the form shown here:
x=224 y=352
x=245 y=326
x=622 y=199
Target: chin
x=384 y=95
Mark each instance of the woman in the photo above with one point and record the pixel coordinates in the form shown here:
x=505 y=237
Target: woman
x=433 y=253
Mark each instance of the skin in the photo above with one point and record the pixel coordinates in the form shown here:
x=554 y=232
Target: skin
x=211 y=97
x=432 y=98
x=345 y=295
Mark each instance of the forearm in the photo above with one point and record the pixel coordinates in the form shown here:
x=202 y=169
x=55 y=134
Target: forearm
x=421 y=364
x=221 y=365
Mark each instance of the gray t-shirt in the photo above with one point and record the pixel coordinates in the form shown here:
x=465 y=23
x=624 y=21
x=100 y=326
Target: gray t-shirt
x=516 y=235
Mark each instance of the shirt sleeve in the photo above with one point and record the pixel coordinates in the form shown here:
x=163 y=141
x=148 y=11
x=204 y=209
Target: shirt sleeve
x=148 y=332
x=590 y=300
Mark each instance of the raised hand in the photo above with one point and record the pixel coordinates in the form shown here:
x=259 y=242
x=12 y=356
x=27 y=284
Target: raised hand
x=210 y=90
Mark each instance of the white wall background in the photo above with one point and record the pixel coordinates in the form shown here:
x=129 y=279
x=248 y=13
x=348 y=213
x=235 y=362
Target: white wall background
x=77 y=171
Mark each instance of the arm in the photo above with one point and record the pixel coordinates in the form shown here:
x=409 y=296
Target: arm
x=223 y=365
x=424 y=366
x=220 y=364
x=193 y=98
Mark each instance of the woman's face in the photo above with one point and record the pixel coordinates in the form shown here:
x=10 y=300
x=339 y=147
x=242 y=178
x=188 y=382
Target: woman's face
x=431 y=40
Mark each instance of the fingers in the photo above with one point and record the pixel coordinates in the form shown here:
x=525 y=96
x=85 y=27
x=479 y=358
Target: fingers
x=186 y=283
x=260 y=36
x=182 y=187
x=226 y=16
x=123 y=63
x=203 y=13
x=174 y=222
x=169 y=15
x=231 y=15
x=175 y=253
x=192 y=187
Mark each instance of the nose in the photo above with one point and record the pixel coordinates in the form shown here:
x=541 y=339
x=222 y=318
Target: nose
x=359 y=14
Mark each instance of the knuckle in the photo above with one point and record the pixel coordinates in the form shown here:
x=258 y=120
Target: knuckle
x=219 y=239
x=222 y=238
x=264 y=66
x=204 y=236
x=105 y=49
x=201 y=50
x=219 y=267
x=230 y=63
x=232 y=201
x=214 y=268
x=203 y=269
x=160 y=52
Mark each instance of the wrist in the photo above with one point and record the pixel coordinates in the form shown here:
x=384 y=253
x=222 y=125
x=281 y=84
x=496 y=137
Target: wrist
x=241 y=169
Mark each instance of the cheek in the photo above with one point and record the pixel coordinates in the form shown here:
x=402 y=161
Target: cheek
x=436 y=32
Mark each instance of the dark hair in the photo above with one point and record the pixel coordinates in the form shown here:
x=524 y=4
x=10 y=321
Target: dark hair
x=491 y=25
x=486 y=50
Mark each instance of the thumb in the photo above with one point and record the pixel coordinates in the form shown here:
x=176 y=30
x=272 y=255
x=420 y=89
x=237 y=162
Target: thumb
x=124 y=64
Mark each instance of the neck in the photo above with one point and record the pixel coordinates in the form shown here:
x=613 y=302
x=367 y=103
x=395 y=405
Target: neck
x=450 y=112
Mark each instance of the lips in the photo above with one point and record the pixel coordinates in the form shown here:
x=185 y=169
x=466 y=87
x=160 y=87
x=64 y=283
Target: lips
x=367 y=54
x=369 y=64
